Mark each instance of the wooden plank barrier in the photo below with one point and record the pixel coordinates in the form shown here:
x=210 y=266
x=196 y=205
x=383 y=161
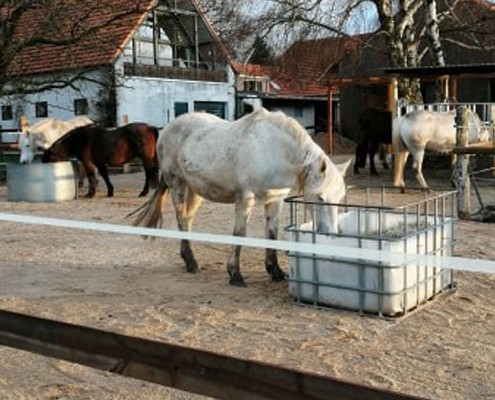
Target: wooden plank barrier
x=180 y=367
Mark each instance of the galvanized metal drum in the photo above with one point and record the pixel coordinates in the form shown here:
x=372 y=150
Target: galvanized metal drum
x=41 y=182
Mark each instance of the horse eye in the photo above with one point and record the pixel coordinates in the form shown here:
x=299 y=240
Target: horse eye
x=320 y=198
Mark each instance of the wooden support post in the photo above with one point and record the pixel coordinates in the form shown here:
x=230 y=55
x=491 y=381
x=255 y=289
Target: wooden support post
x=330 y=122
x=392 y=97
x=461 y=175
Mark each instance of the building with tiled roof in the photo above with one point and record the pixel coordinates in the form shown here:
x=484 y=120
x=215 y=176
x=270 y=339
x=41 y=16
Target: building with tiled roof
x=297 y=82
x=115 y=61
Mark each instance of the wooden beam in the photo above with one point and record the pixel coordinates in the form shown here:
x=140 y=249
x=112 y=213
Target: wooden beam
x=478 y=148
x=463 y=180
x=329 y=148
x=184 y=368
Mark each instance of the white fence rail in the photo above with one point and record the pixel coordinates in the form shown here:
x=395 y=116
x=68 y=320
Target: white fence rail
x=398 y=258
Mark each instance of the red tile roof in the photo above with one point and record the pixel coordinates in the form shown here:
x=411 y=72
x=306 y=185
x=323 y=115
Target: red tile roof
x=253 y=69
x=305 y=68
x=99 y=29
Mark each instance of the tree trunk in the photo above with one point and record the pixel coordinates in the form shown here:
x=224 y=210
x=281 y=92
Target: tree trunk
x=433 y=34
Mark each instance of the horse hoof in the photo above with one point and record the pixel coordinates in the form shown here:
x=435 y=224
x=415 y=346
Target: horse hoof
x=236 y=278
x=239 y=282
x=192 y=267
x=280 y=277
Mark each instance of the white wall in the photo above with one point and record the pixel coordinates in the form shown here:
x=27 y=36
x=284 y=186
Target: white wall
x=60 y=102
x=142 y=99
x=152 y=100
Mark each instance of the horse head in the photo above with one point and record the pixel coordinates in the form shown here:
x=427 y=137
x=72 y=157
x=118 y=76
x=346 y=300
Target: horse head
x=27 y=147
x=324 y=188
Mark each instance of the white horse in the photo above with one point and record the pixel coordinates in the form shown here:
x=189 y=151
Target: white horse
x=423 y=130
x=260 y=157
x=44 y=133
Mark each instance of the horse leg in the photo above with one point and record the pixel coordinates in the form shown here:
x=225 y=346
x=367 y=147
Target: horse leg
x=186 y=203
x=102 y=169
x=358 y=161
x=151 y=178
x=384 y=153
x=400 y=159
x=243 y=209
x=453 y=161
x=90 y=169
x=272 y=211
x=372 y=151
x=91 y=185
x=146 y=187
x=417 y=166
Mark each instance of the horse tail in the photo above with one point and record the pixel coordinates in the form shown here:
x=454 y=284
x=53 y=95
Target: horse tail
x=149 y=215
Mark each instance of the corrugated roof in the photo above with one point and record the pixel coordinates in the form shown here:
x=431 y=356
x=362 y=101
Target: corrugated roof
x=95 y=31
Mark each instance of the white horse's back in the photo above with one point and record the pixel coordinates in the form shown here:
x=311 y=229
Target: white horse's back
x=214 y=153
x=48 y=130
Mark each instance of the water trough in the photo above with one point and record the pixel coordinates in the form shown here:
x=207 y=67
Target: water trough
x=40 y=182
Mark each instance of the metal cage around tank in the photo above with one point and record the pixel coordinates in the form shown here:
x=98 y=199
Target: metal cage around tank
x=375 y=218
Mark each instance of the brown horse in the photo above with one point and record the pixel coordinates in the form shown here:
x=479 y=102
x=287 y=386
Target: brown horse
x=98 y=148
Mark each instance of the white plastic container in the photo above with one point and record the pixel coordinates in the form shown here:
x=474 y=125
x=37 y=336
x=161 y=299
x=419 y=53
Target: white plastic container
x=41 y=182
x=372 y=287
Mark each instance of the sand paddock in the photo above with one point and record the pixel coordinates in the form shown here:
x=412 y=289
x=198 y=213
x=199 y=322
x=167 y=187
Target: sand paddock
x=121 y=283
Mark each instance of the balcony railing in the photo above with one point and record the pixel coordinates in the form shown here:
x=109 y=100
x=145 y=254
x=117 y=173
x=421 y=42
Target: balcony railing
x=177 y=72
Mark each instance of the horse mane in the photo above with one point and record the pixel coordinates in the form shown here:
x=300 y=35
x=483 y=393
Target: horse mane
x=311 y=152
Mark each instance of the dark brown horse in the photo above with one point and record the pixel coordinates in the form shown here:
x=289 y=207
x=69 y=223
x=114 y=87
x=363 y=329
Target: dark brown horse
x=98 y=148
x=375 y=131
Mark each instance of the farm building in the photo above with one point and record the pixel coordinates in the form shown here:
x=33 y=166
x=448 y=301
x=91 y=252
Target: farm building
x=363 y=81
x=295 y=83
x=354 y=72
x=147 y=60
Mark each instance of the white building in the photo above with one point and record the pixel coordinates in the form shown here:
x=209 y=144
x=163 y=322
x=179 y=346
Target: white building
x=147 y=65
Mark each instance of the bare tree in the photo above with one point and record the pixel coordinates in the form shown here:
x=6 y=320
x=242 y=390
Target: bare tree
x=413 y=30
x=31 y=29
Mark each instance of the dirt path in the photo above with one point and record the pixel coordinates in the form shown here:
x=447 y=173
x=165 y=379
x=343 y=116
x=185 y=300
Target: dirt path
x=125 y=284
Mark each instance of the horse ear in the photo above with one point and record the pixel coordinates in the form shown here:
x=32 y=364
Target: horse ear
x=342 y=168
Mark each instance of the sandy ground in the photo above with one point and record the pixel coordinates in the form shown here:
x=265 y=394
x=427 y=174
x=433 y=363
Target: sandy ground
x=121 y=283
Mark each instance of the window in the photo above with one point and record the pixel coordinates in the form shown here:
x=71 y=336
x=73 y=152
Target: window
x=7 y=113
x=297 y=112
x=81 y=107
x=41 y=109
x=213 y=107
x=181 y=108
